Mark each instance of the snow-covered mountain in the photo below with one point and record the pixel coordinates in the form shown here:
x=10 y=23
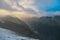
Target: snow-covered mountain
x=6 y=34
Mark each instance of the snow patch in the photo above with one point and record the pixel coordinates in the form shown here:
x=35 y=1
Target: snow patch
x=6 y=34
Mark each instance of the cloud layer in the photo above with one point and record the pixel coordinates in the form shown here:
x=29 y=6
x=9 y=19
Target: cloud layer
x=20 y=5
x=38 y=7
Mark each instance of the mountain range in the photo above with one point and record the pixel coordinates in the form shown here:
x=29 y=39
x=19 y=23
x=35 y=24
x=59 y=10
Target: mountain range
x=47 y=27
x=43 y=28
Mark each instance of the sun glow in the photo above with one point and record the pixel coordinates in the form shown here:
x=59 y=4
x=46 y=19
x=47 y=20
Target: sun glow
x=21 y=15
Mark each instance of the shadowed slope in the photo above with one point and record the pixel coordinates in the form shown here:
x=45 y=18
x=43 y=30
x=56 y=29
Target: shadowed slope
x=47 y=27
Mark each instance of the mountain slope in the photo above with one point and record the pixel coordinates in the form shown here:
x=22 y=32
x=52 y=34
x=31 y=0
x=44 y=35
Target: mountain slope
x=16 y=25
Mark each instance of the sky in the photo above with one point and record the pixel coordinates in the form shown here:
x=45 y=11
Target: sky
x=38 y=7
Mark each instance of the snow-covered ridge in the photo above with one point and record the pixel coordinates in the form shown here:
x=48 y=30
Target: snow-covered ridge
x=6 y=34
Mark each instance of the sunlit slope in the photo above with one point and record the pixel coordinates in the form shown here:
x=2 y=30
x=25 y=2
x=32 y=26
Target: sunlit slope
x=21 y=15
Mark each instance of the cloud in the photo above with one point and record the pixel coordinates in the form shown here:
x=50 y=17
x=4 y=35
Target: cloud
x=19 y=15
x=21 y=5
x=49 y=5
x=36 y=7
x=57 y=13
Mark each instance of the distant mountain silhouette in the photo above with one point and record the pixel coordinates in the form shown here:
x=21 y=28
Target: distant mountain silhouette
x=48 y=28
x=16 y=25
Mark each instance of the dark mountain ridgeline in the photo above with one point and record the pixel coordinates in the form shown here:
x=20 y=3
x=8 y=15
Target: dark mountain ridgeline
x=47 y=27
